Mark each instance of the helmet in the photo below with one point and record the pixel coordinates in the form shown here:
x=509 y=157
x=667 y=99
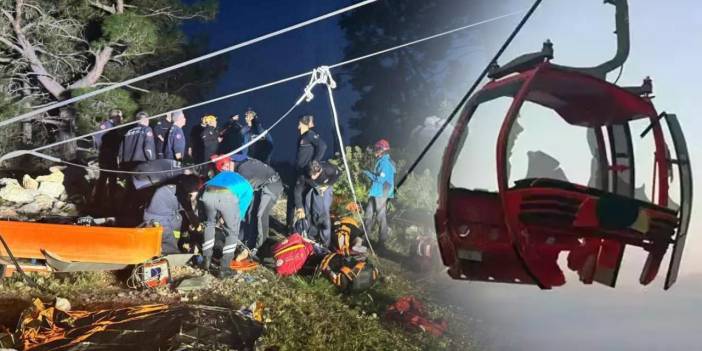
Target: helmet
x=382 y=144
x=209 y=120
x=219 y=164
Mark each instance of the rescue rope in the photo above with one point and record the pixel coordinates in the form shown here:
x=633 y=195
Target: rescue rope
x=325 y=76
x=185 y=63
x=465 y=98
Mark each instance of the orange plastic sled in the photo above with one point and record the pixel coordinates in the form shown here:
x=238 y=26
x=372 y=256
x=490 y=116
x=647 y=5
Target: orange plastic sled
x=81 y=243
x=243 y=266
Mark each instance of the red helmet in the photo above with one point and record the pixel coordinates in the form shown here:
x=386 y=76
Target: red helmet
x=219 y=164
x=382 y=144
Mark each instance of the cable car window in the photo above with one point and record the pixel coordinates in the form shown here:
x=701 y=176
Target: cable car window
x=644 y=157
x=549 y=147
x=476 y=167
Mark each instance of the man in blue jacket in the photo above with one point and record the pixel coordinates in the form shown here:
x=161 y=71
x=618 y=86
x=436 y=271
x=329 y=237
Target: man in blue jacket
x=138 y=144
x=228 y=195
x=175 y=138
x=382 y=188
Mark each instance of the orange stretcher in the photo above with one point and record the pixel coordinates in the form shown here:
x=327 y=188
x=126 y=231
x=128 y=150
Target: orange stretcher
x=75 y=243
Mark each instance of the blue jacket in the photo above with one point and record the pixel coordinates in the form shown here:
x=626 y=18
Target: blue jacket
x=382 y=178
x=97 y=138
x=138 y=145
x=238 y=185
x=175 y=143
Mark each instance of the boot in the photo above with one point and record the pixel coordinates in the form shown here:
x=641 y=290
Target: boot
x=226 y=273
x=205 y=265
x=224 y=270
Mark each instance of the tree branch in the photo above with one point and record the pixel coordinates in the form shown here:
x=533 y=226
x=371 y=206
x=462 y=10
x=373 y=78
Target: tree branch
x=28 y=51
x=101 y=6
x=101 y=60
x=11 y=45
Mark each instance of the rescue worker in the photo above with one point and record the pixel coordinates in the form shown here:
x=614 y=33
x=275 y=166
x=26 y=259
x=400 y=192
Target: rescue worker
x=231 y=135
x=115 y=119
x=265 y=181
x=209 y=137
x=228 y=195
x=166 y=206
x=138 y=144
x=161 y=129
x=195 y=144
x=107 y=144
x=382 y=188
x=316 y=187
x=174 y=149
x=310 y=147
x=263 y=148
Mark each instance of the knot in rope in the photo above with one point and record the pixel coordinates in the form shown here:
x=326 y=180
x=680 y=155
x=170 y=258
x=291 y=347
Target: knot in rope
x=320 y=75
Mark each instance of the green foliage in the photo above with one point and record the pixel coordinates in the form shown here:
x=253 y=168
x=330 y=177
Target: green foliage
x=91 y=111
x=137 y=33
x=157 y=102
x=418 y=192
x=359 y=160
x=10 y=134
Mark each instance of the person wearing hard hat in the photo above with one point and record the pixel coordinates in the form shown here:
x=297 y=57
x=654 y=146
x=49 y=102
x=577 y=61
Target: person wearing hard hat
x=382 y=188
x=209 y=136
x=228 y=195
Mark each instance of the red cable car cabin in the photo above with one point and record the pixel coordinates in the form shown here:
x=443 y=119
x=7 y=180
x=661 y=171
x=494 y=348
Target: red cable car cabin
x=515 y=235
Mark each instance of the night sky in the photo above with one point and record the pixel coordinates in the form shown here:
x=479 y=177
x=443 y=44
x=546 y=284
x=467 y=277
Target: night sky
x=289 y=54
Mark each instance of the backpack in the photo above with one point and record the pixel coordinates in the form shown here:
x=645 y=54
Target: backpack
x=410 y=312
x=349 y=273
x=346 y=230
x=290 y=254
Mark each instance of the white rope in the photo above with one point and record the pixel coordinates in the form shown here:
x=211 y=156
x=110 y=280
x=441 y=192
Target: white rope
x=34 y=151
x=324 y=75
x=185 y=63
x=228 y=154
x=442 y=34
x=315 y=78
x=18 y=153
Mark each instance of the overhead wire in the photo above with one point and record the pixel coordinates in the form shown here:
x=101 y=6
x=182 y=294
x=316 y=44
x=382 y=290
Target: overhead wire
x=465 y=98
x=184 y=63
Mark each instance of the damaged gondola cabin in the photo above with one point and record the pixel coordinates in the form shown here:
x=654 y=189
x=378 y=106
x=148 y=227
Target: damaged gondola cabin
x=516 y=233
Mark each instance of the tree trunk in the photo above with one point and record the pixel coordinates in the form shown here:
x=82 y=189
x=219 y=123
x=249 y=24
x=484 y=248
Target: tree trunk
x=27 y=132
x=68 y=151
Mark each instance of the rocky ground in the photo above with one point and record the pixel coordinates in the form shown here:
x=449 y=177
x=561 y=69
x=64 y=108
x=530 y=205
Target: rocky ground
x=300 y=312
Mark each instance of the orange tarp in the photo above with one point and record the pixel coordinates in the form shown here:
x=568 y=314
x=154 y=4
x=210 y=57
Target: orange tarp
x=82 y=243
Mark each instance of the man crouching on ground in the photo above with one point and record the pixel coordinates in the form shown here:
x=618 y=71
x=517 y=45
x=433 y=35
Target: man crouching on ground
x=227 y=195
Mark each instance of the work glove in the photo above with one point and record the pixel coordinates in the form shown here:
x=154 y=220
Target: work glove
x=368 y=174
x=322 y=188
x=197 y=229
x=299 y=214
